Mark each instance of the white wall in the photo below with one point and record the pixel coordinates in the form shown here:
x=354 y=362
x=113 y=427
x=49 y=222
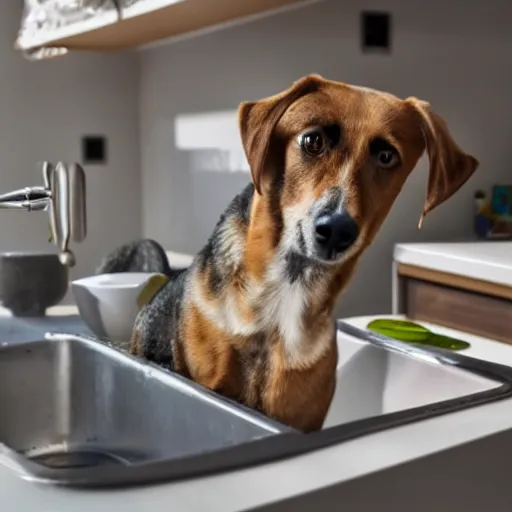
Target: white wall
x=454 y=54
x=45 y=108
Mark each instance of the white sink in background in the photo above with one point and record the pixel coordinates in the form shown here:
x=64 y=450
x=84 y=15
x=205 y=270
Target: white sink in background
x=373 y=381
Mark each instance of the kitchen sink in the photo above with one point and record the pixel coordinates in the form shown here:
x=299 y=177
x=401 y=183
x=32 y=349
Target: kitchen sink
x=70 y=403
x=374 y=381
x=79 y=413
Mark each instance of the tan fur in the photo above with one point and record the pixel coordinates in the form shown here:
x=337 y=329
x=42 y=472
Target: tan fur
x=240 y=342
x=210 y=358
x=300 y=397
x=262 y=240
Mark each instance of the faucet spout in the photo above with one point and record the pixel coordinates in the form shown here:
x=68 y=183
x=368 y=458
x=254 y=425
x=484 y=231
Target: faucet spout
x=28 y=198
x=63 y=197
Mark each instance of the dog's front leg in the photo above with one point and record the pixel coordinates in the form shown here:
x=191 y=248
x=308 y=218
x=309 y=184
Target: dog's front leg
x=301 y=397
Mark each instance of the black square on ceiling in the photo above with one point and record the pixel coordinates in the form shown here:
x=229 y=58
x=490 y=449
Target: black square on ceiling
x=94 y=149
x=375 y=30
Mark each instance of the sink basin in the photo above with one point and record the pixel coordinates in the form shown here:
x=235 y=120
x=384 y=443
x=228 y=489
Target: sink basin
x=373 y=381
x=78 y=413
x=71 y=403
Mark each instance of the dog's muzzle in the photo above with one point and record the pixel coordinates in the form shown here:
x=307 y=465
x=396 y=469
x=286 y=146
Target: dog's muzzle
x=335 y=233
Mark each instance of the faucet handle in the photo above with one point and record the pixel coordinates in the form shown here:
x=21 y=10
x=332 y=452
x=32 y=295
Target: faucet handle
x=47 y=169
x=68 y=220
x=68 y=194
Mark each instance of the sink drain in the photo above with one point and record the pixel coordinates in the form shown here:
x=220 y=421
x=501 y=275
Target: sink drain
x=77 y=460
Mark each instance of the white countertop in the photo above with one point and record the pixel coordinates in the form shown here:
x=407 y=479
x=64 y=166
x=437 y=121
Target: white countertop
x=488 y=261
x=61 y=310
x=240 y=490
x=179 y=259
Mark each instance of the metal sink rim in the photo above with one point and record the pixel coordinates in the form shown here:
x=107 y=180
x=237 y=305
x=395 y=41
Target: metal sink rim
x=286 y=444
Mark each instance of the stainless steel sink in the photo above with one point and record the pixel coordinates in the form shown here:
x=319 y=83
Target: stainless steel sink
x=78 y=413
x=70 y=403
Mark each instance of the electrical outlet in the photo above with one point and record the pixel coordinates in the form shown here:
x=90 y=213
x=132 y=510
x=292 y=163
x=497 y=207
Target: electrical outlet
x=94 y=149
x=376 y=31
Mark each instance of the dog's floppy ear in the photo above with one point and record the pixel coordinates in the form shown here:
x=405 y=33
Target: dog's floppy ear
x=258 y=119
x=450 y=167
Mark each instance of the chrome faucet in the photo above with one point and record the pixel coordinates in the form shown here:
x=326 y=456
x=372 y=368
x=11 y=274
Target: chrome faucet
x=62 y=195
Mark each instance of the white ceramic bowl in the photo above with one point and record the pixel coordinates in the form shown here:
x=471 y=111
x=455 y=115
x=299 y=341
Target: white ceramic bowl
x=107 y=303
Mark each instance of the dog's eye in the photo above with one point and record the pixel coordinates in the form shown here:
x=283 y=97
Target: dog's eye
x=384 y=154
x=313 y=142
x=387 y=159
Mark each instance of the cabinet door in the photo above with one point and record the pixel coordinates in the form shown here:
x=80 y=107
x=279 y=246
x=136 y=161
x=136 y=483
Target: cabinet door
x=468 y=311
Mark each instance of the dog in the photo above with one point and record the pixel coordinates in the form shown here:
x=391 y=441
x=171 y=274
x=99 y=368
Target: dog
x=252 y=318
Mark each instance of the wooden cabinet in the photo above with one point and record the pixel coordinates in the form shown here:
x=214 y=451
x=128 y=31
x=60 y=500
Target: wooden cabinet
x=460 y=302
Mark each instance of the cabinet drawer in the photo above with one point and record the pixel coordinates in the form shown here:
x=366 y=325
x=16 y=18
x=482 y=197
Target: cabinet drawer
x=468 y=311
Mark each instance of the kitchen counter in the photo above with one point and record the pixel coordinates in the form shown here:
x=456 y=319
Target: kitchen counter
x=246 y=489
x=465 y=286
x=59 y=311
x=486 y=261
x=65 y=310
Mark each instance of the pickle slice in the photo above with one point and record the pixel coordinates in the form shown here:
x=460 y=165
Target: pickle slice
x=399 y=330
x=411 y=332
x=447 y=342
x=151 y=288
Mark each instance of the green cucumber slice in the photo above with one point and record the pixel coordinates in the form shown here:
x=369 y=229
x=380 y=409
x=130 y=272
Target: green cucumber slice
x=446 y=342
x=399 y=330
x=410 y=332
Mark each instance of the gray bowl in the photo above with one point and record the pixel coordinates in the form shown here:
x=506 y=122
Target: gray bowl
x=31 y=282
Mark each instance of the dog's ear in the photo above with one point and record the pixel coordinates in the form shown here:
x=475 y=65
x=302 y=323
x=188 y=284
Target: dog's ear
x=258 y=119
x=450 y=167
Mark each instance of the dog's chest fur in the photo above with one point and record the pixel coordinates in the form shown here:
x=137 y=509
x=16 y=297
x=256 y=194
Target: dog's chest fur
x=278 y=305
x=242 y=306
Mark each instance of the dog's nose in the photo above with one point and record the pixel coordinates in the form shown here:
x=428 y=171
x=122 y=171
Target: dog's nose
x=335 y=233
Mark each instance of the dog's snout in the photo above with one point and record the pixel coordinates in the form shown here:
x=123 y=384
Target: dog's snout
x=335 y=233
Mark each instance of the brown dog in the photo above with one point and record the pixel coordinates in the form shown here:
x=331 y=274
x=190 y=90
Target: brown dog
x=252 y=318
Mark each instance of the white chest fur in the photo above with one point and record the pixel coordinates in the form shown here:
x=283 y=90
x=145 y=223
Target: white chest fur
x=284 y=306
x=281 y=305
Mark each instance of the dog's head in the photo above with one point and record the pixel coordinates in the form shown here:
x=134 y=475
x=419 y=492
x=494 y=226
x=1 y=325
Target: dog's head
x=332 y=158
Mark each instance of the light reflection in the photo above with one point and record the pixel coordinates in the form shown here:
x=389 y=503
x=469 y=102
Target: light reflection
x=213 y=139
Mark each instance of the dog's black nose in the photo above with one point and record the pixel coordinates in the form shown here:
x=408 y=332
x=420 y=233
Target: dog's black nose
x=335 y=233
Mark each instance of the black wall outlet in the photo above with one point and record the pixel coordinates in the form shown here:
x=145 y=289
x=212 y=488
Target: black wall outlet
x=376 y=31
x=94 y=149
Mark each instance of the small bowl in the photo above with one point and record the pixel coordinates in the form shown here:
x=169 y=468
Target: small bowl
x=108 y=303
x=30 y=282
